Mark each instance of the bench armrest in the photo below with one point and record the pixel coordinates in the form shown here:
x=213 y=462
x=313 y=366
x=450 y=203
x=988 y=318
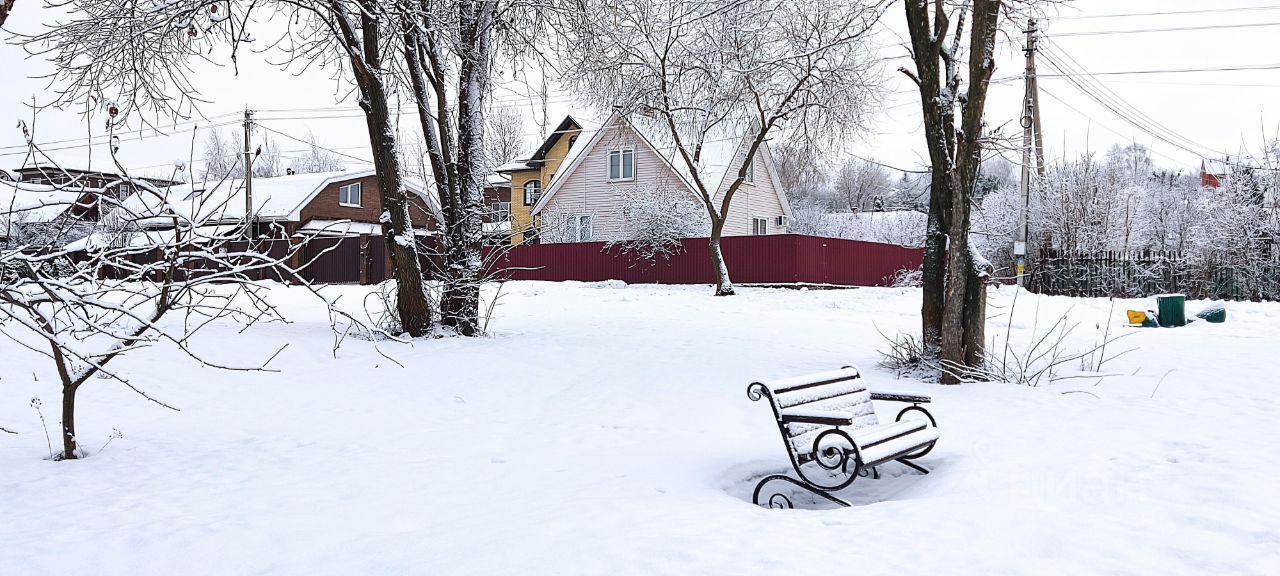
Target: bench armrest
x=900 y=397
x=824 y=417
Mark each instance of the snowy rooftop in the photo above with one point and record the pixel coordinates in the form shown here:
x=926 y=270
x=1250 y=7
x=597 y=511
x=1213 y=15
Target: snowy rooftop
x=25 y=202
x=277 y=198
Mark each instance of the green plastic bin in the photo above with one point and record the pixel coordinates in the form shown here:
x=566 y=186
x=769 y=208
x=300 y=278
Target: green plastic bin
x=1171 y=310
x=1215 y=313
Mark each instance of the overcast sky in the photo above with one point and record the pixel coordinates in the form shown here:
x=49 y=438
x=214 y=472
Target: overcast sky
x=1214 y=111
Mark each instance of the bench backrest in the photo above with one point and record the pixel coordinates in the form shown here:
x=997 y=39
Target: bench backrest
x=840 y=390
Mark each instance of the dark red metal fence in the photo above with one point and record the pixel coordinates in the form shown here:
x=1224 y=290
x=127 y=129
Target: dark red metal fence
x=773 y=259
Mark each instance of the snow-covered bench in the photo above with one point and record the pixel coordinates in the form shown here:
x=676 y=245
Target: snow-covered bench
x=832 y=435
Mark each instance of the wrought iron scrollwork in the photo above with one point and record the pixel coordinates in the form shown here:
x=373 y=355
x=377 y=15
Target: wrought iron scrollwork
x=926 y=449
x=779 y=499
x=756 y=391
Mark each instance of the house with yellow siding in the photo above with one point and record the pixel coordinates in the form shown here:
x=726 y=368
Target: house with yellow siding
x=530 y=176
x=578 y=180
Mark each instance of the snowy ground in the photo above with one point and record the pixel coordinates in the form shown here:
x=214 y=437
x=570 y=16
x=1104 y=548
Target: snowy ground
x=605 y=429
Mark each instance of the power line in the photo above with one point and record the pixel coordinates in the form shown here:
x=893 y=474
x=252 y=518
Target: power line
x=178 y=128
x=1238 y=68
x=330 y=150
x=1170 y=29
x=1102 y=125
x=1056 y=56
x=1167 y=13
x=42 y=145
x=1102 y=95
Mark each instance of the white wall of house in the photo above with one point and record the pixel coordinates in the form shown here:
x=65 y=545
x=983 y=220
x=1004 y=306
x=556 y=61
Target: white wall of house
x=589 y=191
x=758 y=199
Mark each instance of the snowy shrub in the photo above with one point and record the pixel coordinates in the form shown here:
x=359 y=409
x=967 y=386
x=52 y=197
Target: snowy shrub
x=908 y=278
x=656 y=217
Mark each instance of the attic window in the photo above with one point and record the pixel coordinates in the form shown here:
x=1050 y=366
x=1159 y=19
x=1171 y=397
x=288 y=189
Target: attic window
x=622 y=164
x=750 y=177
x=349 y=195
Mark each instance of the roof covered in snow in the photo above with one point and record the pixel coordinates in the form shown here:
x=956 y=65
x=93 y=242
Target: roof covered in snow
x=277 y=198
x=25 y=202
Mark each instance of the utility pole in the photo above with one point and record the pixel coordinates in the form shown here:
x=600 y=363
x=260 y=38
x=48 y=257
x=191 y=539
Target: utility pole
x=1030 y=126
x=248 y=174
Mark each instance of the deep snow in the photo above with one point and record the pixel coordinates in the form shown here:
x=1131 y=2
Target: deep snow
x=605 y=429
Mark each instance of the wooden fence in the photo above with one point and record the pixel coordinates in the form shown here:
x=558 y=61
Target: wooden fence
x=1144 y=273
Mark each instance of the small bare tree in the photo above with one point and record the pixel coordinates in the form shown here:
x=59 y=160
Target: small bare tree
x=110 y=294
x=220 y=157
x=746 y=70
x=317 y=159
x=800 y=171
x=138 y=53
x=504 y=138
x=860 y=182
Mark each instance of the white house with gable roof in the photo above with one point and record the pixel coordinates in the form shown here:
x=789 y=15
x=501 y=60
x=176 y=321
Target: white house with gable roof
x=586 y=195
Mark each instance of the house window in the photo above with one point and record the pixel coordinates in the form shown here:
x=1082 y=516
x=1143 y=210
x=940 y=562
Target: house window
x=501 y=211
x=759 y=226
x=750 y=177
x=532 y=191
x=579 y=228
x=572 y=140
x=349 y=195
x=622 y=164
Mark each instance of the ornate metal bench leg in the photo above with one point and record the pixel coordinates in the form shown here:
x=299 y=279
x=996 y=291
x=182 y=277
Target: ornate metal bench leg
x=780 y=500
x=917 y=467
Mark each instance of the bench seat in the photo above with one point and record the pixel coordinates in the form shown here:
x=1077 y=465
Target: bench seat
x=832 y=412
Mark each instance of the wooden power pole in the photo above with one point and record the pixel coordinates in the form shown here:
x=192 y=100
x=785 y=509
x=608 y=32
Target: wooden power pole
x=1030 y=129
x=248 y=174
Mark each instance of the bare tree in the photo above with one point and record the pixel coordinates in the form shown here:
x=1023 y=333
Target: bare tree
x=266 y=159
x=504 y=137
x=800 y=171
x=860 y=182
x=108 y=295
x=954 y=308
x=746 y=70
x=139 y=53
x=449 y=47
x=220 y=157
x=317 y=159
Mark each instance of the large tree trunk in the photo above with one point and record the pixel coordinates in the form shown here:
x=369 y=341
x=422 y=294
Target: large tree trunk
x=933 y=276
x=953 y=311
x=955 y=302
x=411 y=298
x=724 y=286
x=466 y=259
x=975 y=311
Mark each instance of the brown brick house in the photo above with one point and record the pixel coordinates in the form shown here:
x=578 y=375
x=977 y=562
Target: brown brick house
x=335 y=213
